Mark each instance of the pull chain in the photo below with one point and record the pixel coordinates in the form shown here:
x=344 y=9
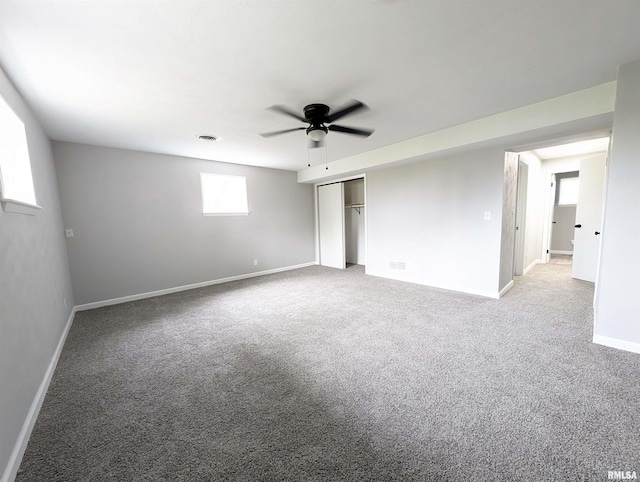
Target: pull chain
x=326 y=154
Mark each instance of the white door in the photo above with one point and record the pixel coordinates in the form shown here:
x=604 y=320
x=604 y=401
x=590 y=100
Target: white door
x=586 y=248
x=331 y=225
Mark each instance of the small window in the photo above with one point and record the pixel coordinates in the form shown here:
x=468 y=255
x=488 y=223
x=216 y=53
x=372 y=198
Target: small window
x=223 y=195
x=16 y=181
x=569 y=187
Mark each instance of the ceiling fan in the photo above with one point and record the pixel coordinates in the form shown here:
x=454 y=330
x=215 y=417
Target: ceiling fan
x=318 y=116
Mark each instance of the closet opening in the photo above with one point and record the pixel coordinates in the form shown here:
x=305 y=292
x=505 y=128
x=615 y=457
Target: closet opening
x=342 y=223
x=354 y=217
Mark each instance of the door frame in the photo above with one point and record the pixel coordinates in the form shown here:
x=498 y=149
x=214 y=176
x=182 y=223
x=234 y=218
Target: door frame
x=522 y=184
x=316 y=211
x=549 y=214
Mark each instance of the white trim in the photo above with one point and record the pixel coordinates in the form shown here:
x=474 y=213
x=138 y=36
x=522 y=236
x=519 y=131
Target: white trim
x=19 y=207
x=505 y=289
x=531 y=266
x=151 y=294
x=316 y=225
x=366 y=225
x=227 y=214
x=351 y=177
x=617 y=343
x=11 y=470
x=559 y=251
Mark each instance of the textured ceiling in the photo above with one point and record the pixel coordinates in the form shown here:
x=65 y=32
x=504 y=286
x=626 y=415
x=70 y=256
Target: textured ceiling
x=150 y=75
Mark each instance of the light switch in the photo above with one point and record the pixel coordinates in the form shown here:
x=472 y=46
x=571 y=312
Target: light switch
x=487 y=215
x=68 y=233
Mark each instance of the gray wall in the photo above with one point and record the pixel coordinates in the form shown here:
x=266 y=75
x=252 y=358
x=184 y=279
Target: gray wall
x=429 y=215
x=618 y=285
x=563 y=229
x=34 y=281
x=138 y=223
x=354 y=191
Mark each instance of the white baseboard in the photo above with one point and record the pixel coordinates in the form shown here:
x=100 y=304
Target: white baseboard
x=617 y=343
x=558 y=251
x=530 y=267
x=13 y=465
x=151 y=294
x=505 y=289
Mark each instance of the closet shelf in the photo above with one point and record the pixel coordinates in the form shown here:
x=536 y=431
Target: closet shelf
x=355 y=206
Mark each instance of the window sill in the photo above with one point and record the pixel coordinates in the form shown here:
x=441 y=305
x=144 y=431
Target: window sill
x=225 y=214
x=19 y=207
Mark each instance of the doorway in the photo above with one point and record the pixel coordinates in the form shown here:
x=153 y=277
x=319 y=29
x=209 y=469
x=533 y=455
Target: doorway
x=566 y=187
x=354 y=221
x=342 y=223
x=564 y=212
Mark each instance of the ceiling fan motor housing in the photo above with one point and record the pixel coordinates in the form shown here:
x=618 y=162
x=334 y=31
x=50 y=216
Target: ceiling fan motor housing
x=316 y=113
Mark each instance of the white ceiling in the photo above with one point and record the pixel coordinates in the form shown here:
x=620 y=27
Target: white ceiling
x=150 y=75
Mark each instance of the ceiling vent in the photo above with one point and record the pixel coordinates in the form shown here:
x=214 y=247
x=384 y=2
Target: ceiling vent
x=207 y=138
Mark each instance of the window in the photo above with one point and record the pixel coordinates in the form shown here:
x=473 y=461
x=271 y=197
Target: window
x=569 y=187
x=223 y=195
x=16 y=182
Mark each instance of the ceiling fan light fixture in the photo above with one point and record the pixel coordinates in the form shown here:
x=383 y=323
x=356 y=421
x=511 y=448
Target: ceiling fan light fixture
x=317 y=133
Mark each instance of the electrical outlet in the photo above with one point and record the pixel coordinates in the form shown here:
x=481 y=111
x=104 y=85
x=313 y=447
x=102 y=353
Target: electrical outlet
x=68 y=233
x=397 y=265
x=487 y=215
x=255 y=262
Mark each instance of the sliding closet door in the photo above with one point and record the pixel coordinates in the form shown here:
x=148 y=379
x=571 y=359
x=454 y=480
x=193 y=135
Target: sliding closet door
x=331 y=224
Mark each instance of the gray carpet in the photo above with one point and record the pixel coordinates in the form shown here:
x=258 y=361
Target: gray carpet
x=561 y=259
x=319 y=374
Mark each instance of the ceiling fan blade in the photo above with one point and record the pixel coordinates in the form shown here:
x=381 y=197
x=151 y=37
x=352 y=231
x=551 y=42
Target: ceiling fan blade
x=277 y=133
x=283 y=110
x=351 y=130
x=354 y=106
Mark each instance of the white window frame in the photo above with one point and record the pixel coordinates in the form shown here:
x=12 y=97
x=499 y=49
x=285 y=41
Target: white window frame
x=240 y=209
x=562 y=181
x=10 y=203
